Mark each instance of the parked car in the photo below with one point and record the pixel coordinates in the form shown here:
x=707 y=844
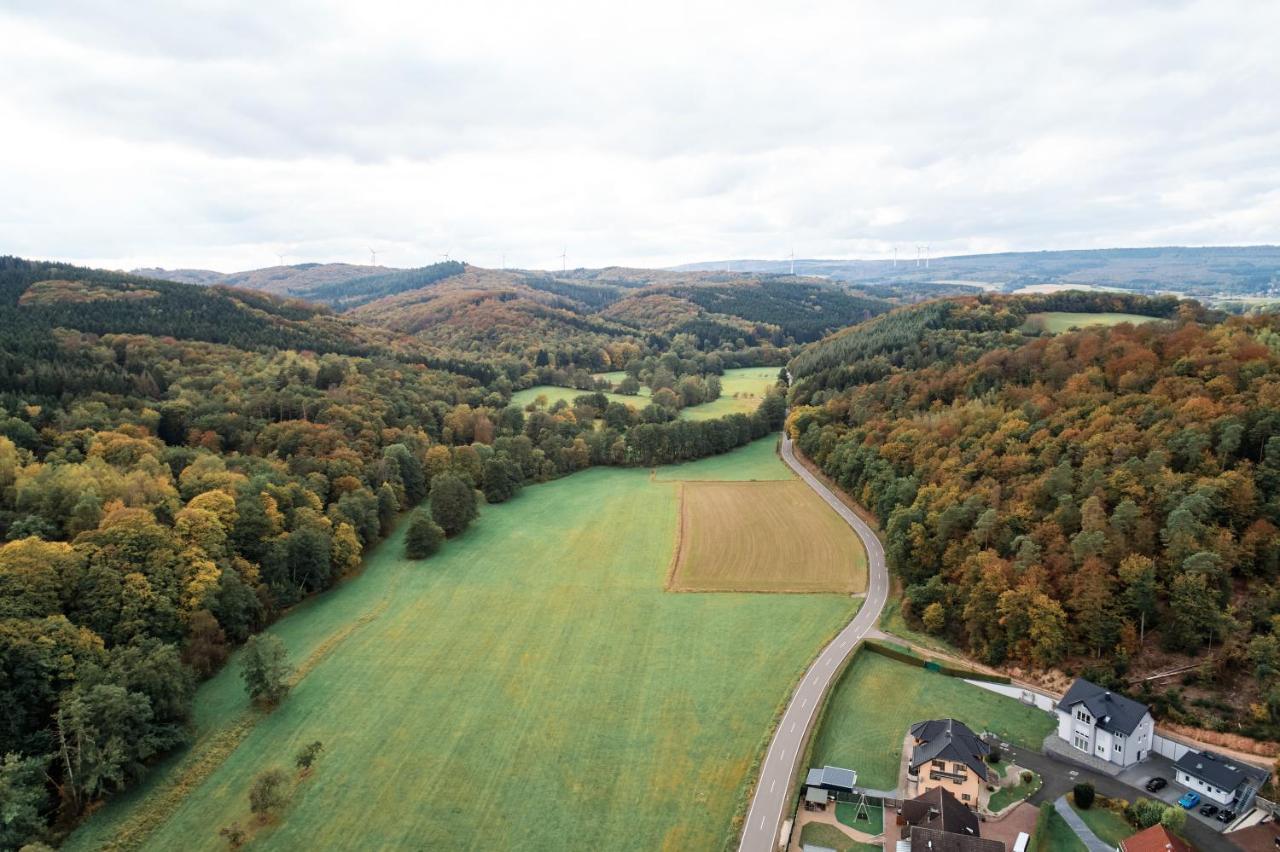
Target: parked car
x=1226 y=815
x=1208 y=810
x=1189 y=799
x=1156 y=784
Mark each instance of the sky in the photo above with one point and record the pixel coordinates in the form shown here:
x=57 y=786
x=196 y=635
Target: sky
x=223 y=134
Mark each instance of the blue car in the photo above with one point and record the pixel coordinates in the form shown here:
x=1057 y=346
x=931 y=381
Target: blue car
x=1189 y=799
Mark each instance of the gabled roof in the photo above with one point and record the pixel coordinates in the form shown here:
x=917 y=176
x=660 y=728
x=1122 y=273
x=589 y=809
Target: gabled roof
x=832 y=778
x=1111 y=712
x=1155 y=839
x=929 y=840
x=947 y=739
x=1219 y=770
x=940 y=810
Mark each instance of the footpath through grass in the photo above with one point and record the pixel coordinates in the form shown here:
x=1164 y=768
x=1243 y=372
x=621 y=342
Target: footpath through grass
x=877 y=699
x=530 y=687
x=1110 y=827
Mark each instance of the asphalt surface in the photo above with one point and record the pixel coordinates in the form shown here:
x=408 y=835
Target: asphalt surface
x=763 y=824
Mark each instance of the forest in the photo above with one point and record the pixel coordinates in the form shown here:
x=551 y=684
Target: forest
x=1090 y=500
x=180 y=464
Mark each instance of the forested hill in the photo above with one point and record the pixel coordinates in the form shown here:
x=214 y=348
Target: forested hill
x=1048 y=500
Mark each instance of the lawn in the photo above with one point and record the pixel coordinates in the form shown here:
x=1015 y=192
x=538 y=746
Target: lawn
x=1056 y=322
x=877 y=699
x=741 y=390
x=1053 y=834
x=1110 y=827
x=765 y=537
x=847 y=813
x=532 y=687
x=892 y=622
x=821 y=834
x=1006 y=796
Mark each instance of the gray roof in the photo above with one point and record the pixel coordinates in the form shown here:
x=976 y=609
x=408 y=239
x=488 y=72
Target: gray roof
x=947 y=739
x=832 y=778
x=809 y=847
x=1219 y=770
x=817 y=795
x=940 y=810
x=1111 y=712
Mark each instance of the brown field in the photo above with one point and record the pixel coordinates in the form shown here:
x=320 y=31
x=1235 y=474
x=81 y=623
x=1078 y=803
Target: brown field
x=764 y=537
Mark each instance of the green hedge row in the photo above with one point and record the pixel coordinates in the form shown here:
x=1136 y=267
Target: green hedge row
x=903 y=655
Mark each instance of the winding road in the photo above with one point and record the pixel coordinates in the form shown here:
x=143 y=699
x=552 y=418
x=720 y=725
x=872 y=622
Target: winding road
x=760 y=830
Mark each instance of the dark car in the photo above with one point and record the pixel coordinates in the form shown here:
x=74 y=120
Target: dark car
x=1208 y=810
x=1156 y=784
x=1226 y=815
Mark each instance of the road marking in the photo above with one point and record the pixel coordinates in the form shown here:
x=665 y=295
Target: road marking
x=773 y=785
x=762 y=823
x=804 y=704
x=784 y=754
x=793 y=728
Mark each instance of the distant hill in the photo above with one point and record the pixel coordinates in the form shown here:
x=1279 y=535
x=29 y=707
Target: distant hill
x=1210 y=273
x=297 y=280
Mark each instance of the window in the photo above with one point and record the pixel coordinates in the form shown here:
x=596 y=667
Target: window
x=1083 y=715
x=960 y=769
x=1119 y=747
x=940 y=764
x=964 y=797
x=1081 y=742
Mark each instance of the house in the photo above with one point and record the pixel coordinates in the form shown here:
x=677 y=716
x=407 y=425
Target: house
x=1155 y=839
x=936 y=821
x=940 y=810
x=947 y=754
x=1219 y=779
x=1100 y=723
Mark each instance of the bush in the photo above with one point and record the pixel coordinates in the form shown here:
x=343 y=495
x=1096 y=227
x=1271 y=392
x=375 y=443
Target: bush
x=1083 y=795
x=424 y=536
x=995 y=755
x=267 y=792
x=1027 y=776
x=307 y=755
x=234 y=835
x=1145 y=813
x=1174 y=819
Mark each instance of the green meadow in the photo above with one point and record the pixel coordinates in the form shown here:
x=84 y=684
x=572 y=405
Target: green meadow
x=742 y=388
x=871 y=743
x=1056 y=322
x=531 y=686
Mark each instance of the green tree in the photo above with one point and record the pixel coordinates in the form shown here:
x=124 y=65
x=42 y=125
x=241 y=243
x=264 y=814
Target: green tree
x=267 y=792
x=307 y=755
x=424 y=536
x=265 y=669
x=1083 y=794
x=1174 y=819
x=1264 y=653
x=934 y=617
x=453 y=503
x=22 y=798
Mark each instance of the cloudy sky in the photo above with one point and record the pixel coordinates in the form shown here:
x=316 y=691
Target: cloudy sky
x=225 y=133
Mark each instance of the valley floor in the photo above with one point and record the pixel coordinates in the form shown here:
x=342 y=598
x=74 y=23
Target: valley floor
x=532 y=686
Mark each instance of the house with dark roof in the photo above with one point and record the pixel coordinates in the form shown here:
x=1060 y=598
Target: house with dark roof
x=947 y=754
x=936 y=821
x=1104 y=724
x=1220 y=779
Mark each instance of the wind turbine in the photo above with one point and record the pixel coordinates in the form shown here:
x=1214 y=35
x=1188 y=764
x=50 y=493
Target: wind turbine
x=445 y=256
x=918 y=255
x=564 y=264
x=281 y=258
x=793 y=261
x=895 y=257
x=373 y=257
x=504 y=260
x=926 y=255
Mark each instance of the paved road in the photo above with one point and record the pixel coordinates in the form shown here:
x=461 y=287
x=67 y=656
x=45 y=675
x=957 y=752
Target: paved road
x=760 y=831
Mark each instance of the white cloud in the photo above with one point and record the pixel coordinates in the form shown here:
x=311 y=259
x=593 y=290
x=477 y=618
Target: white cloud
x=219 y=134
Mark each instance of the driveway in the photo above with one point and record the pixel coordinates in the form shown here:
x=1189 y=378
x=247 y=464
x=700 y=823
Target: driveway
x=763 y=822
x=1157 y=766
x=1060 y=777
x=1091 y=841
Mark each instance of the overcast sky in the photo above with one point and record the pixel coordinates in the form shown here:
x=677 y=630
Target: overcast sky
x=631 y=133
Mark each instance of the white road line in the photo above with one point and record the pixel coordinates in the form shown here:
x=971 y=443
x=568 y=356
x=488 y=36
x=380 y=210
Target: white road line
x=773 y=785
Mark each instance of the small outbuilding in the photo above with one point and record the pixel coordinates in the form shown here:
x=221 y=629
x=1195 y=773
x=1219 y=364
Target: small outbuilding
x=832 y=778
x=1223 y=780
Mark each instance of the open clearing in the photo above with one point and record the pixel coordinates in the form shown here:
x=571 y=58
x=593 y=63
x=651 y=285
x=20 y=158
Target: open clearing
x=765 y=537
x=532 y=686
x=1056 y=322
x=756 y=461
x=862 y=732
x=741 y=390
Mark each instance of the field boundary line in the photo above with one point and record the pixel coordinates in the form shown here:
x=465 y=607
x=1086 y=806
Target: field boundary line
x=212 y=750
x=678 y=551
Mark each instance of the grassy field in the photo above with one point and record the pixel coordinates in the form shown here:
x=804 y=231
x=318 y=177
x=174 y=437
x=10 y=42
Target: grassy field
x=756 y=461
x=860 y=732
x=765 y=537
x=1056 y=322
x=740 y=392
x=1110 y=827
x=532 y=686
x=821 y=834
x=847 y=812
x=554 y=393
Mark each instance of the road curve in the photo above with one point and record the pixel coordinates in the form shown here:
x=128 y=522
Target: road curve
x=760 y=831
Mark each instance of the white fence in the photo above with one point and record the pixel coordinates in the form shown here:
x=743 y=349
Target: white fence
x=1169 y=748
x=1032 y=697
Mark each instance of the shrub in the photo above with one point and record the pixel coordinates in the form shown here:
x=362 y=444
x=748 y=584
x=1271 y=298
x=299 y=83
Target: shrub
x=1174 y=819
x=424 y=536
x=1083 y=795
x=995 y=755
x=307 y=755
x=234 y=835
x=1145 y=813
x=1027 y=775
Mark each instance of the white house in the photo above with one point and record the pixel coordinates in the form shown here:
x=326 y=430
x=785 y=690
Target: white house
x=1107 y=726
x=1219 y=779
